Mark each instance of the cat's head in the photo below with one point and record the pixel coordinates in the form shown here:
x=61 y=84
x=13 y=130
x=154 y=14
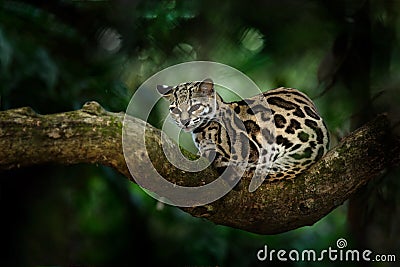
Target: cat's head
x=190 y=103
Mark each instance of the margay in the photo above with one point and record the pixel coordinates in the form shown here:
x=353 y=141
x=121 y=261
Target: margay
x=277 y=134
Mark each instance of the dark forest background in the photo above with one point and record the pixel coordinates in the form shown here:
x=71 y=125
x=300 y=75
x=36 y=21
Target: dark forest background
x=56 y=55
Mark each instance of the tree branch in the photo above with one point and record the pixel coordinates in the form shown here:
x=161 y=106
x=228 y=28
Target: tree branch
x=93 y=135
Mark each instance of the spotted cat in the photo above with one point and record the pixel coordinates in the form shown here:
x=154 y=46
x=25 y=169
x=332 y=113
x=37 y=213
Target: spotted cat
x=277 y=134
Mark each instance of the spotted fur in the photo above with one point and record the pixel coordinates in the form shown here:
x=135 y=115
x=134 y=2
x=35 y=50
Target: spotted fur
x=277 y=134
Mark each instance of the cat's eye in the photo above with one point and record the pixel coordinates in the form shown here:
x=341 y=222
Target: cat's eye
x=194 y=107
x=175 y=110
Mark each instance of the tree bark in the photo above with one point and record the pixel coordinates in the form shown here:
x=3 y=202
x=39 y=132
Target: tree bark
x=93 y=135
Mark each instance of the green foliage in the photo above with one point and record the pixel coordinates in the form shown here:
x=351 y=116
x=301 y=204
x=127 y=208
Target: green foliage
x=57 y=55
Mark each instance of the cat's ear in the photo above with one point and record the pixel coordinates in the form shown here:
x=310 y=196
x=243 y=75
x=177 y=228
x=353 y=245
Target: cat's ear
x=164 y=90
x=207 y=86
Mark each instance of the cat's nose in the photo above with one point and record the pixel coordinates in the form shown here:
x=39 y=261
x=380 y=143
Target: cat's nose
x=185 y=122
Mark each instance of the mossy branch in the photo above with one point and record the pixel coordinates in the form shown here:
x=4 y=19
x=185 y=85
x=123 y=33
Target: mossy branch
x=93 y=135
